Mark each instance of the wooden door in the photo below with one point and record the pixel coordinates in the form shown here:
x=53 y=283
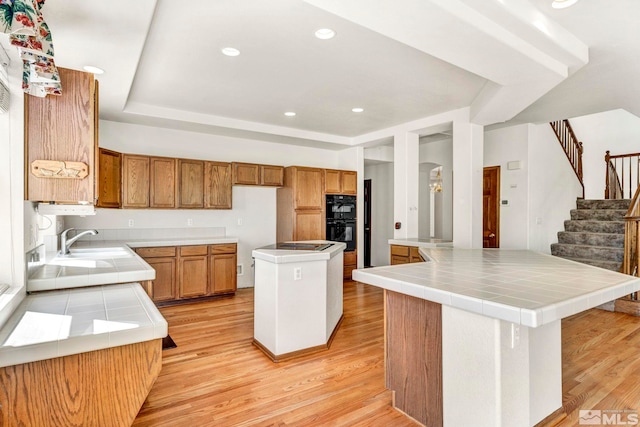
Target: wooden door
x=190 y=183
x=309 y=189
x=163 y=287
x=349 y=182
x=109 y=169
x=162 y=174
x=223 y=273
x=491 y=207
x=135 y=181
x=217 y=185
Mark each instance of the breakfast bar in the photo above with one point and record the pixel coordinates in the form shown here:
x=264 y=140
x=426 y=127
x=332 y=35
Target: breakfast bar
x=473 y=335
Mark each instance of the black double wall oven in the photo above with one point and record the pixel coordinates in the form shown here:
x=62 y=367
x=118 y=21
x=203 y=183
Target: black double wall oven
x=341 y=220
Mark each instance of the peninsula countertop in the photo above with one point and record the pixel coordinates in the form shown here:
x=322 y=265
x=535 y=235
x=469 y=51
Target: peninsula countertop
x=519 y=286
x=422 y=243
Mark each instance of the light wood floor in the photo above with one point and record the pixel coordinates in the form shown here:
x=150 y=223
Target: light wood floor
x=216 y=377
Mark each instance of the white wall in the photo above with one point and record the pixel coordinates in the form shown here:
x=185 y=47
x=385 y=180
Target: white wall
x=381 y=176
x=500 y=147
x=617 y=131
x=12 y=243
x=553 y=188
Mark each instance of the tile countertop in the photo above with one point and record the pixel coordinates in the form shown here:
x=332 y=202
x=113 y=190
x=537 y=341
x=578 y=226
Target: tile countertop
x=523 y=287
x=116 y=263
x=422 y=243
x=282 y=256
x=60 y=323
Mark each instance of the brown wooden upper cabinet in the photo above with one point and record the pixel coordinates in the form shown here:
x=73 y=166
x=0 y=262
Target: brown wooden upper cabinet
x=62 y=129
x=190 y=183
x=300 y=205
x=135 y=181
x=217 y=185
x=308 y=187
x=340 y=181
x=255 y=174
x=109 y=170
x=162 y=182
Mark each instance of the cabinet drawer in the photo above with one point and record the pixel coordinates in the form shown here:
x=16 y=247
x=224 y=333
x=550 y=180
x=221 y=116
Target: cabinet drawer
x=399 y=250
x=350 y=258
x=399 y=260
x=225 y=248
x=193 y=250
x=163 y=251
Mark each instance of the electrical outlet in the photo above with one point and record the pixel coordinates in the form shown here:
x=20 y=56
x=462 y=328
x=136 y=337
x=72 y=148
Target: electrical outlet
x=189 y=222
x=297 y=273
x=130 y=223
x=515 y=335
x=240 y=221
x=239 y=270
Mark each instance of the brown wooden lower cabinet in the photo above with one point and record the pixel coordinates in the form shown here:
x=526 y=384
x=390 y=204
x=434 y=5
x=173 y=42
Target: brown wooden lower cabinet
x=350 y=263
x=405 y=254
x=186 y=272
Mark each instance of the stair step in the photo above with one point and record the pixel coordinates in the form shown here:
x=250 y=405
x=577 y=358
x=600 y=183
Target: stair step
x=591 y=239
x=603 y=204
x=598 y=214
x=593 y=226
x=607 y=265
x=588 y=252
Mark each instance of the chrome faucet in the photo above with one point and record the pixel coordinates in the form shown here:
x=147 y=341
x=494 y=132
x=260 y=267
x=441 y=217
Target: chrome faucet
x=66 y=244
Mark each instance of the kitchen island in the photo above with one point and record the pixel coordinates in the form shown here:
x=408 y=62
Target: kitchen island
x=473 y=336
x=298 y=297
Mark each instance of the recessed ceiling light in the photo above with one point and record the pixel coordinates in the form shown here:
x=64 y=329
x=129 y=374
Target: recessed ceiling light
x=92 y=69
x=289 y=114
x=325 y=33
x=231 y=51
x=561 y=4
x=357 y=110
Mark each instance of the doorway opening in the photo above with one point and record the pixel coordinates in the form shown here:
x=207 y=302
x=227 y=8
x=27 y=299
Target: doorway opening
x=367 y=223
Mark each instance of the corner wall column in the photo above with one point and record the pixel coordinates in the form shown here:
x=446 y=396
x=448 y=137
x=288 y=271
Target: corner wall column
x=406 y=155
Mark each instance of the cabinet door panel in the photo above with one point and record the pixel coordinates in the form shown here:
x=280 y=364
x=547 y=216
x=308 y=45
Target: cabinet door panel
x=162 y=191
x=332 y=183
x=309 y=188
x=246 y=174
x=190 y=183
x=272 y=175
x=135 y=181
x=349 y=182
x=109 y=170
x=223 y=274
x=193 y=274
x=217 y=185
x=308 y=225
x=163 y=287
x=62 y=128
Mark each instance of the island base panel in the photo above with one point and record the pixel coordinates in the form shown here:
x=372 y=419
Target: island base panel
x=413 y=353
x=498 y=373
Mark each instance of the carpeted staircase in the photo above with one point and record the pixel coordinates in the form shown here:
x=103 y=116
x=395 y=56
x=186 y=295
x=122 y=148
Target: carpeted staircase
x=595 y=234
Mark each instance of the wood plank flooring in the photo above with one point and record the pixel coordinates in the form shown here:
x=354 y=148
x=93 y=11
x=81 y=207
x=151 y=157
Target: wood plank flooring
x=215 y=377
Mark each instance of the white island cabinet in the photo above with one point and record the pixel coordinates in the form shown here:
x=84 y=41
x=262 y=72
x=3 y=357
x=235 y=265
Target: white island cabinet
x=298 y=297
x=472 y=336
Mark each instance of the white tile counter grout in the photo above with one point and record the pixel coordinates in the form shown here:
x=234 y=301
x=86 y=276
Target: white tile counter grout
x=523 y=287
x=60 y=323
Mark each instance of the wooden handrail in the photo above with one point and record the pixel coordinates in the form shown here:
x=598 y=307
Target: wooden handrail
x=622 y=175
x=571 y=146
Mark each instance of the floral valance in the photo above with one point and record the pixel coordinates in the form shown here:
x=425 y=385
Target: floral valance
x=24 y=23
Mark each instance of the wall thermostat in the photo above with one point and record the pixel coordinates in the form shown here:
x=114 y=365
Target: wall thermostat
x=504 y=202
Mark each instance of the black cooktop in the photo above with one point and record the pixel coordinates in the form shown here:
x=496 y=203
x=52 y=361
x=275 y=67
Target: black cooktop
x=293 y=246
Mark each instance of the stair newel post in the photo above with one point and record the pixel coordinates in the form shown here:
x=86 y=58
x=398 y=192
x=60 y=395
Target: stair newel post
x=607 y=159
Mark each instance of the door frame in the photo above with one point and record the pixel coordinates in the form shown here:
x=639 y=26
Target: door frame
x=367 y=221
x=497 y=192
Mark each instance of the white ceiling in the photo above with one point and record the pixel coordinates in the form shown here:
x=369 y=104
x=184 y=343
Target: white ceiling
x=400 y=60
